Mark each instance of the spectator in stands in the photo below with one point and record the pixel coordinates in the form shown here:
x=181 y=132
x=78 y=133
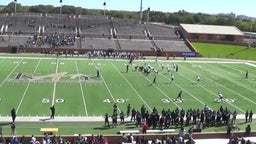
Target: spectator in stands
x=130 y=138
x=23 y=140
x=2 y=140
x=248 y=131
x=144 y=128
x=13 y=127
x=15 y=140
x=229 y=129
x=182 y=132
x=33 y=139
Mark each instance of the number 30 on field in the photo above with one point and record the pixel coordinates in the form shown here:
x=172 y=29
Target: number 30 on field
x=117 y=100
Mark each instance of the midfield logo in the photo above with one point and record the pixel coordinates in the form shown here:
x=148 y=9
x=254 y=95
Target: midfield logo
x=56 y=77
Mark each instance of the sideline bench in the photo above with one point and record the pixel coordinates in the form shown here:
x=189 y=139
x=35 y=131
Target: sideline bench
x=49 y=131
x=168 y=130
x=129 y=131
x=148 y=131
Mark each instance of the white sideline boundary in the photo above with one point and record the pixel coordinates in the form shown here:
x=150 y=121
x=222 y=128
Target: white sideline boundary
x=240 y=118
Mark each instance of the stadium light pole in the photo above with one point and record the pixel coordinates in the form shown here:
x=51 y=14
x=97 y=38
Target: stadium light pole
x=59 y=15
x=249 y=45
x=104 y=5
x=141 y=12
x=15 y=6
x=60 y=7
x=148 y=14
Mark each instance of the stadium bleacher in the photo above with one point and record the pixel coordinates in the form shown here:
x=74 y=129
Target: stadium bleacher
x=88 y=32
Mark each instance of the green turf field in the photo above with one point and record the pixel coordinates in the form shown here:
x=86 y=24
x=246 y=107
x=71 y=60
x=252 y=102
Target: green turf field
x=225 y=51
x=32 y=85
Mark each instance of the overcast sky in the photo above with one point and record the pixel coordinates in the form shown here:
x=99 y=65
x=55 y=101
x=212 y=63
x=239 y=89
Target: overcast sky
x=239 y=7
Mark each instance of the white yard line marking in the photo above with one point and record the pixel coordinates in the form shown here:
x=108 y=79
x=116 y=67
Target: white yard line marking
x=250 y=64
x=234 y=81
x=185 y=91
x=25 y=92
x=232 y=90
x=162 y=92
x=214 y=94
x=11 y=73
x=132 y=87
x=55 y=83
x=106 y=85
x=2 y=60
x=82 y=92
x=242 y=72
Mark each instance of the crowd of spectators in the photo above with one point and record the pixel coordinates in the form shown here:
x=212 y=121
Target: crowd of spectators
x=52 y=40
x=52 y=139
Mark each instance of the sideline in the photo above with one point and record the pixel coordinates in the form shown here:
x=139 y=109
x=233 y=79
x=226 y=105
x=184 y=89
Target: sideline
x=74 y=118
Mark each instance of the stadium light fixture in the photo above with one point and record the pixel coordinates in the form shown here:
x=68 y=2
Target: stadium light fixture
x=148 y=14
x=104 y=4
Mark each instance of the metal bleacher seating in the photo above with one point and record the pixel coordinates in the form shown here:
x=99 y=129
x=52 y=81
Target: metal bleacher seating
x=135 y=44
x=94 y=26
x=83 y=31
x=98 y=43
x=161 y=32
x=23 y=23
x=129 y=29
x=174 y=45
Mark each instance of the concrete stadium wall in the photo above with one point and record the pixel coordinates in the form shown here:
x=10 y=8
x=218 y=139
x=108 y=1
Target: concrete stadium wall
x=82 y=51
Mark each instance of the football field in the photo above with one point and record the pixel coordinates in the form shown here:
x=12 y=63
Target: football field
x=32 y=84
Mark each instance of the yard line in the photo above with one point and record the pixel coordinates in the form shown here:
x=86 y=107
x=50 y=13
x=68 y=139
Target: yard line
x=232 y=90
x=2 y=60
x=162 y=92
x=11 y=73
x=186 y=91
x=208 y=89
x=250 y=64
x=240 y=71
x=55 y=82
x=82 y=92
x=25 y=92
x=132 y=87
x=106 y=85
x=234 y=81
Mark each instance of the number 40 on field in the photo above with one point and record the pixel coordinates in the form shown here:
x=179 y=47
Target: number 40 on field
x=117 y=100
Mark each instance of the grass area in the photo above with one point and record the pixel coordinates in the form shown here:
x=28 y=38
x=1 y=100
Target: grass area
x=225 y=51
x=33 y=84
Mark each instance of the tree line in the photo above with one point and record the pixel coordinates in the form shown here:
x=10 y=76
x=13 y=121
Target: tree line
x=172 y=18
